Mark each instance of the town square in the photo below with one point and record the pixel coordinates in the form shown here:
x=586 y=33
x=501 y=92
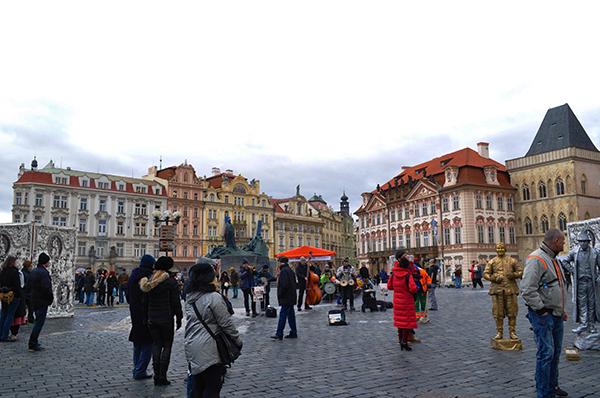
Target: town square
x=274 y=199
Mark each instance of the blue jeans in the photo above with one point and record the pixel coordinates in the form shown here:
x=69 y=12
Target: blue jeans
x=235 y=291
x=142 y=353
x=458 y=282
x=6 y=319
x=89 y=298
x=287 y=313
x=548 y=331
x=40 y=319
x=122 y=294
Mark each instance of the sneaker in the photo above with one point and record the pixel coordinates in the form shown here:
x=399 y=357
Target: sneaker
x=36 y=349
x=291 y=336
x=12 y=338
x=277 y=337
x=559 y=392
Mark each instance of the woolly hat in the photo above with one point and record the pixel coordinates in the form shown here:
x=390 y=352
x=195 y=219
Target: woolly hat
x=147 y=261
x=203 y=273
x=164 y=263
x=43 y=259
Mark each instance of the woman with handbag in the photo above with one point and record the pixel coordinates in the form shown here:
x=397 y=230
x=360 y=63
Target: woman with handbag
x=211 y=340
x=225 y=282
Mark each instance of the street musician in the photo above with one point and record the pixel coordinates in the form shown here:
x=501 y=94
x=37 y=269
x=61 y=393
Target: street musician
x=346 y=278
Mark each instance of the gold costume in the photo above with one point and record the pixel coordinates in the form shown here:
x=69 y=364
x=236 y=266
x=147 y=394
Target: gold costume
x=503 y=272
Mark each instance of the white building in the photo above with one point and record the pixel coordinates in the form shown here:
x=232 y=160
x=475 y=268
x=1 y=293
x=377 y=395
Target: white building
x=111 y=213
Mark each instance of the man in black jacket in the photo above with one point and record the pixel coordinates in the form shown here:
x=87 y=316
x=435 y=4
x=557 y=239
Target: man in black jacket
x=40 y=284
x=286 y=295
x=302 y=277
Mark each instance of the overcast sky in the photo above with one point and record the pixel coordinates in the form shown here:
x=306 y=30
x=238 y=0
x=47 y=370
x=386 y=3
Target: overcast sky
x=331 y=95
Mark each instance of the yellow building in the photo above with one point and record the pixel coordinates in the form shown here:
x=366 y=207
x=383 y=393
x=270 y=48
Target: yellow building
x=203 y=203
x=555 y=180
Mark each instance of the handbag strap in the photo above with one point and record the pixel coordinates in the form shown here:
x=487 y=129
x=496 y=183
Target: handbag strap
x=209 y=330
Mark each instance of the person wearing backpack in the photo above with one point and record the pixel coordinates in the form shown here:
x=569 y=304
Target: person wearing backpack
x=205 y=366
x=402 y=283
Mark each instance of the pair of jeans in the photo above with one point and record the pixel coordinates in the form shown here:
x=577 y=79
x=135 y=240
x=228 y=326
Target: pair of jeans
x=249 y=300
x=142 y=353
x=122 y=294
x=40 y=319
x=89 y=298
x=162 y=342
x=208 y=384
x=432 y=299
x=287 y=314
x=7 y=316
x=235 y=291
x=548 y=332
x=458 y=282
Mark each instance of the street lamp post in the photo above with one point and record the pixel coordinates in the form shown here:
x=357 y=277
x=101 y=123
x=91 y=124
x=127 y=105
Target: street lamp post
x=167 y=231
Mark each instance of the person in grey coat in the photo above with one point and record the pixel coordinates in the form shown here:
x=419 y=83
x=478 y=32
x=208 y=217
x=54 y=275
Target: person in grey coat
x=207 y=370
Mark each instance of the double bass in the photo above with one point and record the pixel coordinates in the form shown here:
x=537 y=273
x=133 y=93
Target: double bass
x=313 y=290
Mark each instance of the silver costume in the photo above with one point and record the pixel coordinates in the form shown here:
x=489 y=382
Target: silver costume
x=584 y=265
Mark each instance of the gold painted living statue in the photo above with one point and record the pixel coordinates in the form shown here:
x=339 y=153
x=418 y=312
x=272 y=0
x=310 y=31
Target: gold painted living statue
x=503 y=272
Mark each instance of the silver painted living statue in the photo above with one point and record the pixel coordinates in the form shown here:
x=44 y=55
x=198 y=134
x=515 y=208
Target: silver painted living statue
x=583 y=263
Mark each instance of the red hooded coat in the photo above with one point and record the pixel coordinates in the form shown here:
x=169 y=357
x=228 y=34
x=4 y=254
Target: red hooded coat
x=403 y=285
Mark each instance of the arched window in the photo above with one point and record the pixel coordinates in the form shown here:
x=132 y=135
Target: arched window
x=560 y=186
x=528 y=226
x=562 y=222
x=583 y=184
x=545 y=224
x=542 y=190
x=525 y=192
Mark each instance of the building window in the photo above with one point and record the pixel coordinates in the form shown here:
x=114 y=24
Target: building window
x=119 y=227
x=480 y=233
x=500 y=201
x=478 y=201
x=525 y=193
x=511 y=235
x=39 y=200
x=226 y=199
x=455 y=202
x=102 y=227
x=417 y=239
x=417 y=211
x=137 y=250
x=83 y=203
x=81 y=248
x=17 y=218
x=316 y=242
x=121 y=186
x=102 y=204
x=195 y=230
x=185 y=231
x=583 y=184
x=432 y=207
x=542 y=190
x=103 y=185
x=140 y=229
x=82 y=225
x=545 y=224
x=393 y=215
x=185 y=251
x=393 y=242
x=528 y=227
x=457 y=235
x=509 y=203
x=502 y=234
x=18 y=198
x=59 y=202
x=562 y=222
x=38 y=219
x=426 y=239
x=424 y=208
x=195 y=212
x=491 y=237
x=560 y=187
x=141 y=189
x=140 y=209
x=488 y=201
x=59 y=221
x=291 y=241
x=120 y=249
x=121 y=207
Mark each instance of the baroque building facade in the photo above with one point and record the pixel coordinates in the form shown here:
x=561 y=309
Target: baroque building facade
x=110 y=213
x=312 y=222
x=455 y=207
x=556 y=179
x=204 y=202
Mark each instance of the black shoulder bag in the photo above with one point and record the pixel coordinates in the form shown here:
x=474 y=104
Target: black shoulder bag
x=228 y=349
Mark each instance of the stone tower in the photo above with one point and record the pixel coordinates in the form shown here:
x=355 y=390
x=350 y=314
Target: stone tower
x=344 y=205
x=554 y=179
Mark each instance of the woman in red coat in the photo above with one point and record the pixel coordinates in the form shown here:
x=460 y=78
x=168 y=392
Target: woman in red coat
x=404 y=287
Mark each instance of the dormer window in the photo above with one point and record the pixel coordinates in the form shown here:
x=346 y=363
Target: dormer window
x=84 y=182
x=157 y=190
x=121 y=186
x=61 y=179
x=141 y=189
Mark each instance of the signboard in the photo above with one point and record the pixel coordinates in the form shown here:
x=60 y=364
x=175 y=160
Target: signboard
x=167 y=232
x=165 y=246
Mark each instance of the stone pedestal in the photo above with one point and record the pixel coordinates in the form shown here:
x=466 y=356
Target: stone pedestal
x=506 y=344
x=587 y=341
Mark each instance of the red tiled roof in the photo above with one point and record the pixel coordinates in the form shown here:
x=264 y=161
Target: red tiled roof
x=217 y=180
x=40 y=177
x=435 y=167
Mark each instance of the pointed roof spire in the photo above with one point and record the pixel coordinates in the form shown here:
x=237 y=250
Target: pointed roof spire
x=560 y=129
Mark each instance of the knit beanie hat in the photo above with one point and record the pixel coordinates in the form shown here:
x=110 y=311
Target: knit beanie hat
x=164 y=263
x=147 y=261
x=43 y=259
x=203 y=272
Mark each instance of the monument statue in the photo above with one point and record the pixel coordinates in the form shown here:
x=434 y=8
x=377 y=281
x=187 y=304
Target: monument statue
x=583 y=262
x=503 y=272
x=229 y=234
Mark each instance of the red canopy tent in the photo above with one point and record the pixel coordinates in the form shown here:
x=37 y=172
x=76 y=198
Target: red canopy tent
x=311 y=253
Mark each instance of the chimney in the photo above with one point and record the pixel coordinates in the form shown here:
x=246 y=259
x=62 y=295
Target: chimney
x=229 y=171
x=216 y=171
x=152 y=171
x=484 y=149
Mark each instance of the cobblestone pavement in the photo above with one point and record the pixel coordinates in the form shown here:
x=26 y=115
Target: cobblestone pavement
x=89 y=356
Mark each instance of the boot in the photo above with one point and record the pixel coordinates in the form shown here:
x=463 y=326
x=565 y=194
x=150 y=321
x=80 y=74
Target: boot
x=512 y=328
x=499 y=329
